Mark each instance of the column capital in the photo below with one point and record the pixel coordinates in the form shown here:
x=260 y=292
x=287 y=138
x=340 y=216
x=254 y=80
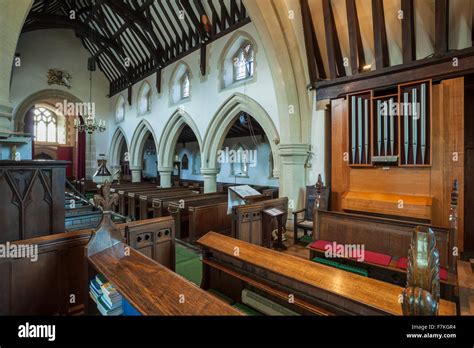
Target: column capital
x=209 y=171
x=294 y=154
x=165 y=169
x=294 y=149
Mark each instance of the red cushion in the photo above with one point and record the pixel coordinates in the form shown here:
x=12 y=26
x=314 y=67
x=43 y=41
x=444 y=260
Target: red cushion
x=403 y=263
x=369 y=256
x=319 y=244
x=377 y=258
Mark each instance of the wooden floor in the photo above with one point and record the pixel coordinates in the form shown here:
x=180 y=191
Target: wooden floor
x=295 y=250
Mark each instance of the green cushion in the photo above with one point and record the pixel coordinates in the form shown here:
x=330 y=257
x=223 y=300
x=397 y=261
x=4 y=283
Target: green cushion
x=349 y=268
x=305 y=239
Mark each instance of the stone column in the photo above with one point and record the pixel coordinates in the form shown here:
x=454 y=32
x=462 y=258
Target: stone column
x=165 y=176
x=12 y=17
x=136 y=174
x=210 y=179
x=293 y=174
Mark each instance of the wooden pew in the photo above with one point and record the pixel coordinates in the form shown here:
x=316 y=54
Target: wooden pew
x=153 y=289
x=123 y=189
x=389 y=237
x=154 y=238
x=204 y=217
x=144 y=200
x=160 y=204
x=249 y=223
x=133 y=198
x=87 y=187
x=45 y=287
x=316 y=289
x=179 y=210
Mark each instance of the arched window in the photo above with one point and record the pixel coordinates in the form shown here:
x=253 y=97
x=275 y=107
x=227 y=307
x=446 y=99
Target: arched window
x=184 y=162
x=120 y=110
x=144 y=99
x=239 y=161
x=244 y=62
x=48 y=128
x=185 y=86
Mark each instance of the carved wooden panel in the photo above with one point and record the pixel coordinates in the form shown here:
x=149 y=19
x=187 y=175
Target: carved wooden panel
x=32 y=199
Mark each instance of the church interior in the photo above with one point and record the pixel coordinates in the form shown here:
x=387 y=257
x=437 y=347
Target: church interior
x=236 y=158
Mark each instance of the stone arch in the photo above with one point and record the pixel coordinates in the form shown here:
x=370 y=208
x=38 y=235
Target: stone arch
x=118 y=140
x=169 y=138
x=222 y=122
x=280 y=40
x=137 y=145
x=35 y=98
x=233 y=43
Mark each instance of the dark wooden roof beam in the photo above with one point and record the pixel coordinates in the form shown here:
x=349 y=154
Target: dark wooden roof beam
x=441 y=27
x=355 y=40
x=380 y=35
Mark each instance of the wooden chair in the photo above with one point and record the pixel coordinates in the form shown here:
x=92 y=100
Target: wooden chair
x=313 y=193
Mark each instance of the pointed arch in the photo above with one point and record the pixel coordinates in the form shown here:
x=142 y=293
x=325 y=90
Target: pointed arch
x=118 y=140
x=137 y=146
x=226 y=59
x=178 y=73
x=170 y=135
x=223 y=121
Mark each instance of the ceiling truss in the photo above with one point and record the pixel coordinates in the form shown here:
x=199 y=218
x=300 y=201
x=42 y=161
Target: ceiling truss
x=132 y=39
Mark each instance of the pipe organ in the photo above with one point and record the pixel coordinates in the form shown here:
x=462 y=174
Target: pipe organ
x=391 y=128
x=392 y=150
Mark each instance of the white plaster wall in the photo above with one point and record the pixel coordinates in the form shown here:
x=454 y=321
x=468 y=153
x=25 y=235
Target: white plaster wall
x=60 y=49
x=257 y=175
x=206 y=96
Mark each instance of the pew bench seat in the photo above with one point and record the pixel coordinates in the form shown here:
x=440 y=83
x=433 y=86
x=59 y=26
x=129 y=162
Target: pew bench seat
x=375 y=259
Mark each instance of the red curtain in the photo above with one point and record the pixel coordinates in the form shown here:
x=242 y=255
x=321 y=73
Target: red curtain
x=81 y=153
x=65 y=153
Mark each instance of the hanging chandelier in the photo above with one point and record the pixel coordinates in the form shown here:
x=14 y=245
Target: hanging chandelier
x=90 y=125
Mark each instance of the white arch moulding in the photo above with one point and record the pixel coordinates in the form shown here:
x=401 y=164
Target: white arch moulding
x=168 y=141
x=118 y=140
x=38 y=97
x=137 y=147
x=223 y=121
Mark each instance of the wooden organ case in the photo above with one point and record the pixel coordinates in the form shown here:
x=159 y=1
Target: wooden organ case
x=395 y=152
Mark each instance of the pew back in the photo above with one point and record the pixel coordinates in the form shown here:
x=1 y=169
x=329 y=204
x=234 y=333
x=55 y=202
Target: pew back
x=387 y=236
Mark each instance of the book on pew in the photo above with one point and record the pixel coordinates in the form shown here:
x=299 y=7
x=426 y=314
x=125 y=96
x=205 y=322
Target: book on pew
x=106 y=296
x=106 y=310
x=94 y=290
